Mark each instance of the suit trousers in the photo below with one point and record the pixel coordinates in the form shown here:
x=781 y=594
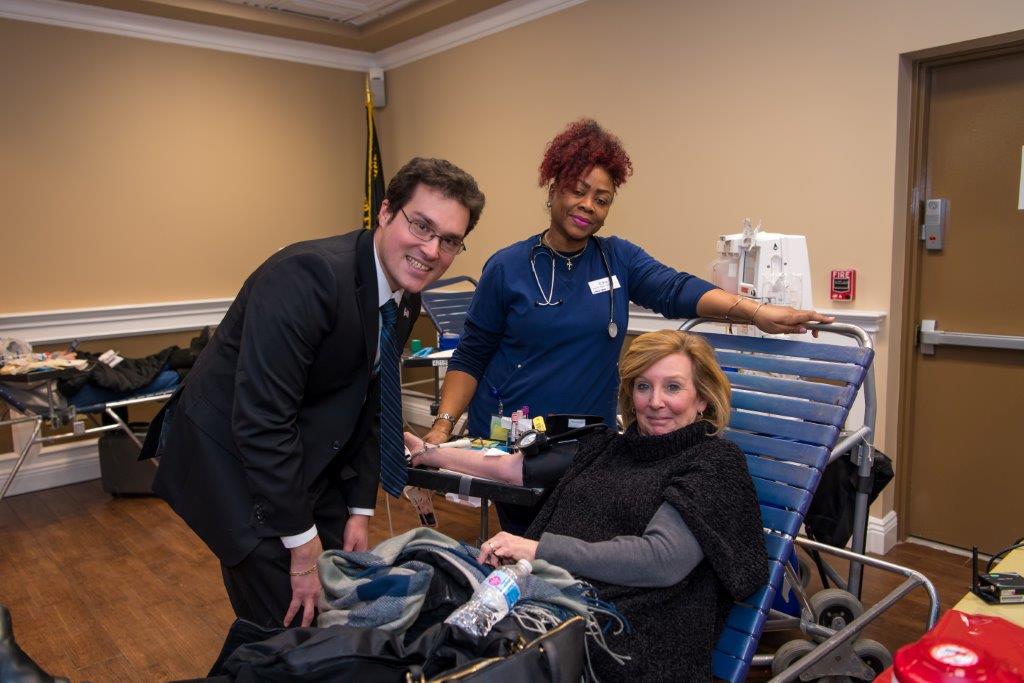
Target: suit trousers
x=259 y=587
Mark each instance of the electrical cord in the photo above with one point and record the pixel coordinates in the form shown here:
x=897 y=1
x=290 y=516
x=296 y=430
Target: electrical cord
x=1019 y=543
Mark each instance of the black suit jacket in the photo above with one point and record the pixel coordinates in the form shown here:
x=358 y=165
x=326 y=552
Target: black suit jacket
x=283 y=402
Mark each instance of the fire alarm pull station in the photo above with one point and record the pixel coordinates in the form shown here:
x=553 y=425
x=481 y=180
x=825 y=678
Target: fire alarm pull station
x=843 y=285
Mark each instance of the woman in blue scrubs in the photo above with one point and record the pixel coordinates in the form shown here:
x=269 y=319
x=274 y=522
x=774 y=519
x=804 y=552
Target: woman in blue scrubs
x=543 y=330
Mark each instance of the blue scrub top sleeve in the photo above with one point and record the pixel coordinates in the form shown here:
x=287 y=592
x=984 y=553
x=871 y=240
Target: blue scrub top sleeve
x=661 y=288
x=485 y=323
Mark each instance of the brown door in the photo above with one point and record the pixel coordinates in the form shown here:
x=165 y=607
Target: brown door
x=966 y=471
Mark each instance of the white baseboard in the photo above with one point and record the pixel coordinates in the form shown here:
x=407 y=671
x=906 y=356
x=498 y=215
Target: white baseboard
x=71 y=463
x=881 y=536
x=58 y=465
x=963 y=552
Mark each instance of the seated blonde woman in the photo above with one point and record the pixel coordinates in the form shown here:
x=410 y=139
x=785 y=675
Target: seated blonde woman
x=663 y=519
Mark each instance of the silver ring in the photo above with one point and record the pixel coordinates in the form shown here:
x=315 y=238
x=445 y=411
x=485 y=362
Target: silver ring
x=491 y=546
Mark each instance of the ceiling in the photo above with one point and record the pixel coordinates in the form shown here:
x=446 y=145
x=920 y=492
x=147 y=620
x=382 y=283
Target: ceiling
x=364 y=25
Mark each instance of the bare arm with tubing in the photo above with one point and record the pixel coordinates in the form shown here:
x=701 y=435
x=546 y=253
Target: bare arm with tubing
x=506 y=468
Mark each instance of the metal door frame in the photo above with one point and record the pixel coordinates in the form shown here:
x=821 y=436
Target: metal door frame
x=920 y=66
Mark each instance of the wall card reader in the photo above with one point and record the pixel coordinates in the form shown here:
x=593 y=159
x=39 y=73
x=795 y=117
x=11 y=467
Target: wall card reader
x=933 y=230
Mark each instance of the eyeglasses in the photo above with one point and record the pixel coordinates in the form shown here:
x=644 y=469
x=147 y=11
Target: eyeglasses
x=453 y=246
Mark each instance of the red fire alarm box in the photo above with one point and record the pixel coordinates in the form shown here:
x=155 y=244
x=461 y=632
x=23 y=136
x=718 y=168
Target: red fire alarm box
x=843 y=285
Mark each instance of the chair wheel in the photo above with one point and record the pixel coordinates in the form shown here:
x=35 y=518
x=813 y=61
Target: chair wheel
x=835 y=608
x=874 y=654
x=789 y=653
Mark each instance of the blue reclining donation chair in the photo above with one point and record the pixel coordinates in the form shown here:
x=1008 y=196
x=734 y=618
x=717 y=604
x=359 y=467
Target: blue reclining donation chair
x=790 y=400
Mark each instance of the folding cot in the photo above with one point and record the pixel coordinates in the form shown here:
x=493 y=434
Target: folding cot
x=29 y=416
x=790 y=400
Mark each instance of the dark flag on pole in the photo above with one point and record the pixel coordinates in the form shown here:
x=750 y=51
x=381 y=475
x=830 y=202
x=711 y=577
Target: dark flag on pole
x=374 y=168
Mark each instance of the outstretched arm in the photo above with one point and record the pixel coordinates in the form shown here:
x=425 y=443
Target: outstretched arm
x=769 y=318
x=507 y=468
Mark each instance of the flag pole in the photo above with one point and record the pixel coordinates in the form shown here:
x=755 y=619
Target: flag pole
x=367 y=202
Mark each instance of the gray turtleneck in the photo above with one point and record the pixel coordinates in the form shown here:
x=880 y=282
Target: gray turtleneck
x=663 y=556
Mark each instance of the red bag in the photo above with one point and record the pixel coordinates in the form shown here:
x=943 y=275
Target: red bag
x=963 y=648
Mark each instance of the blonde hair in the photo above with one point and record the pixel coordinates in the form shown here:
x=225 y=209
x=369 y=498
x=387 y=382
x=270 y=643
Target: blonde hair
x=708 y=378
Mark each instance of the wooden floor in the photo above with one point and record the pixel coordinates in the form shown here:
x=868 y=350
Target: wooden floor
x=107 y=589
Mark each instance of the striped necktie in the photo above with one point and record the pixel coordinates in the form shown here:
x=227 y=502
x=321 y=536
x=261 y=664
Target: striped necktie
x=393 y=475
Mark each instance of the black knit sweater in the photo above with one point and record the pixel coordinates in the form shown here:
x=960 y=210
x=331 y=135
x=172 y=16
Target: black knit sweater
x=613 y=488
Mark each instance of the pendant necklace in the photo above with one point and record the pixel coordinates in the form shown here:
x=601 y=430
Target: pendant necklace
x=569 y=258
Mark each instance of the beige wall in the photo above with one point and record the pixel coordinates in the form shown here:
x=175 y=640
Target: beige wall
x=782 y=110
x=173 y=171
x=134 y=171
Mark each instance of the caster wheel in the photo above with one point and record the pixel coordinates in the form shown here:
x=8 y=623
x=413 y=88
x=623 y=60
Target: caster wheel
x=835 y=608
x=789 y=653
x=874 y=654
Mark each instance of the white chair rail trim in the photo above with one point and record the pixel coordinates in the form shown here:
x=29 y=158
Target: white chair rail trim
x=107 y=322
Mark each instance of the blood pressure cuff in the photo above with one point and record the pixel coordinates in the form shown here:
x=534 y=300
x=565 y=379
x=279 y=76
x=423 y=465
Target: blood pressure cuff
x=560 y=423
x=543 y=470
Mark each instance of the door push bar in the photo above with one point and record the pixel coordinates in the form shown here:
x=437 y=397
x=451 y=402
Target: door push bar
x=929 y=338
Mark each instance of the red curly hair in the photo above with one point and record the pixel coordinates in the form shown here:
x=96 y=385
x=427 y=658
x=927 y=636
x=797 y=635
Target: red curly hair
x=581 y=146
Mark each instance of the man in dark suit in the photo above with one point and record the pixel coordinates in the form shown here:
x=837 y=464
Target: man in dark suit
x=271 y=451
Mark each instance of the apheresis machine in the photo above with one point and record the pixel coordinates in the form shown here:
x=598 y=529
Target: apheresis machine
x=766 y=266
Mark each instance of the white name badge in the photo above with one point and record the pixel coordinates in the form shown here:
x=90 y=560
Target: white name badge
x=601 y=284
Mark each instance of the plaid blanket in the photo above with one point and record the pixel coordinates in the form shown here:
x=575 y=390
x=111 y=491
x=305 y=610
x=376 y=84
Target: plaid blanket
x=384 y=588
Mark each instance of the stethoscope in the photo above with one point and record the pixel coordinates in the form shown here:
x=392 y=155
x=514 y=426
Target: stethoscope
x=548 y=299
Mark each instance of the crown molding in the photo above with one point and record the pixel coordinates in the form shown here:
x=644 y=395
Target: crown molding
x=494 y=20
x=131 y=24
x=54 y=327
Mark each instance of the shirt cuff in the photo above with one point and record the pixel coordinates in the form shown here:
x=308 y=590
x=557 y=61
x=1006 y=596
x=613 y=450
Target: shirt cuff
x=299 y=539
x=361 y=511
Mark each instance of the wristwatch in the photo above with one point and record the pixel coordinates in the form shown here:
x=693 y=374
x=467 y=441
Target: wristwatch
x=449 y=417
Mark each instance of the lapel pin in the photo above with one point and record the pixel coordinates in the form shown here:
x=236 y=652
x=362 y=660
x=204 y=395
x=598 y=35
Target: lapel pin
x=405 y=312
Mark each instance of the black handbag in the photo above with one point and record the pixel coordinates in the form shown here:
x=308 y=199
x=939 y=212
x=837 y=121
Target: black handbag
x=829 y=517
x=441 y=653
x=557 y=656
